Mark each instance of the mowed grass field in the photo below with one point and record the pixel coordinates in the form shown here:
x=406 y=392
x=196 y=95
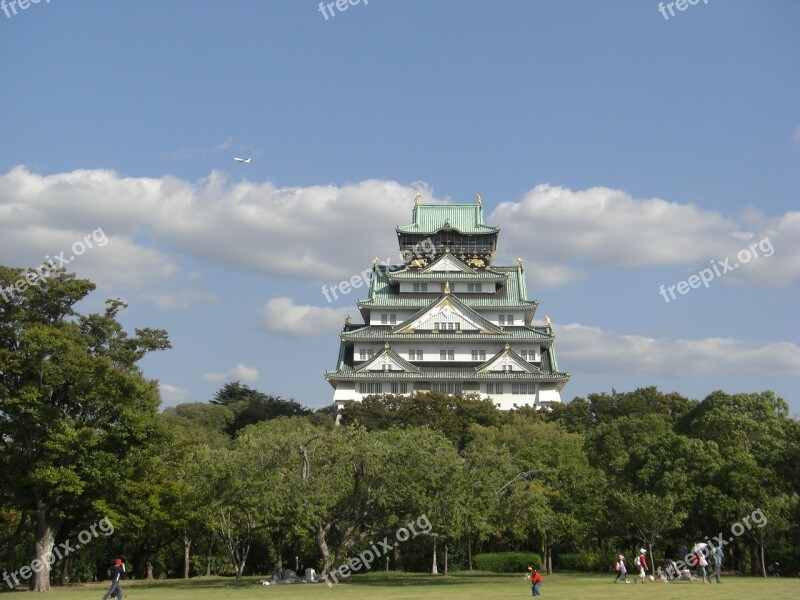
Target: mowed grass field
x=394 y=586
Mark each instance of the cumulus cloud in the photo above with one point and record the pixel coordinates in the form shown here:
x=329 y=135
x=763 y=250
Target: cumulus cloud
x=566 y=232
x=326 y=233
x=238 y=373
x=307 y=232
x=282 y=315
x=590 y=349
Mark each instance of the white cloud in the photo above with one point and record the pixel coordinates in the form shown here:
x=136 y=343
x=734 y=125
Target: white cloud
x=328 y=234
x=589 y=349
x=238 y=373
x=563 y=233
x=298 y=232
x=172 y=395
x=282 y=315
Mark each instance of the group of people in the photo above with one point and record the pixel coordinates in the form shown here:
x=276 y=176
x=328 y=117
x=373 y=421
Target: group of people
x=698 y=557
x=640 y=562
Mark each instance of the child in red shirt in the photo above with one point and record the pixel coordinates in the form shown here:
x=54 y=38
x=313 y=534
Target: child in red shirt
x=536 y=582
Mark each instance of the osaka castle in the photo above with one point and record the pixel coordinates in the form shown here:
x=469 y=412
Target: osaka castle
x=448 y=320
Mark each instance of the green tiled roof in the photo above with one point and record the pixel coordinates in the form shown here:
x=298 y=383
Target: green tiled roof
x=511 y=295
x=347 y=373
x=372 y=333
x=442 y=276
x=553 y=361
x=464 y=218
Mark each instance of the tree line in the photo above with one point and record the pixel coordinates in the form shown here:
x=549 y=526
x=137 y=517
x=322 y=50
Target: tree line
x=249 y=482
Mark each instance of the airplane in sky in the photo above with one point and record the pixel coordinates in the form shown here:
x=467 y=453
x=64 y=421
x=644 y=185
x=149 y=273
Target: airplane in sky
x=243 y=160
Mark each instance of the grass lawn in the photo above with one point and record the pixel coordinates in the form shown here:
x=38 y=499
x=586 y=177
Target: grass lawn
x=403 y=586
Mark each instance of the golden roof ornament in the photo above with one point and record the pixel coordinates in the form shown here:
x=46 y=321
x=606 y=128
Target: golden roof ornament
x=416 y=199
x=478 y=200
x=446 y=287
x=386 y=345
x=374 y=262
x=347 y=320
x=549 y=322
x=508 y=346
x=520 y=263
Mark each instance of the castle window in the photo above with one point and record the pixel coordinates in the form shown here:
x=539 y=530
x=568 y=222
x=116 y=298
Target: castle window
x=370 y=387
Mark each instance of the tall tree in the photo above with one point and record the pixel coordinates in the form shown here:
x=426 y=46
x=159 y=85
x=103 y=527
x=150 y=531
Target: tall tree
x=72 y=402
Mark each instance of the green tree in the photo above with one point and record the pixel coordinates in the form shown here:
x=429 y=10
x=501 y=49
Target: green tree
x=753 y=435
x=649 y=516
x=250 y=406
x=73 y=403
x=452 y=415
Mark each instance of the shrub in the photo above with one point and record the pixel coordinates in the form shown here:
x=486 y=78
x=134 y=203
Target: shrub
x=590 y=560
x=507 y=562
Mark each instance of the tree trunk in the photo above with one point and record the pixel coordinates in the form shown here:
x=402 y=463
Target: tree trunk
x=187 y=545
x=11 y=550
x=62 y=571
x=434 y=568
x=547 y=555
x=45 y=540
x=149 y=575
x=469 y=554
x=754 y=558
x=319 y=535
x=209 y=553
x=652 y=561
x=445 y=559
x=761 y=555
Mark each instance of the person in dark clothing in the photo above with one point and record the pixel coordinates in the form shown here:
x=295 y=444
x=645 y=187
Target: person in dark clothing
x=716 y=560
x=116 y=580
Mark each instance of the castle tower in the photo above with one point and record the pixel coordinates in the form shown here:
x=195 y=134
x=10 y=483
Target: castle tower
x=448 y=320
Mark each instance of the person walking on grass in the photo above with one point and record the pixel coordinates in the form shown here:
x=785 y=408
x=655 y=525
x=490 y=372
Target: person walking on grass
x=716 y=560
x=116 y=577
x=641 y=562
x=536 y=582
x=622 y=572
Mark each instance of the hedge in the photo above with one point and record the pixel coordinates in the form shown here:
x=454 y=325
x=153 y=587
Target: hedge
x=507 y=562
x=587 y=561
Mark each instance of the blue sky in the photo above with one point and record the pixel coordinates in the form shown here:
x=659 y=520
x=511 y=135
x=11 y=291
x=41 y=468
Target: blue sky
x=617 y=150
